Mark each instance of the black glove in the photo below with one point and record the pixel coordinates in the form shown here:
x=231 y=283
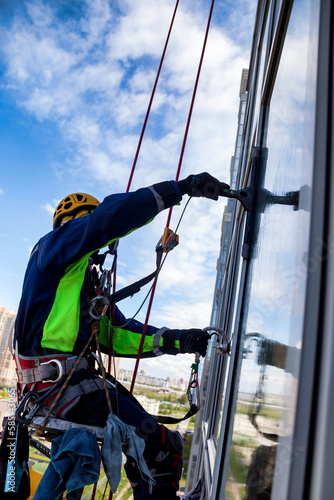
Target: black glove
x=194 y=340
x=203 y=185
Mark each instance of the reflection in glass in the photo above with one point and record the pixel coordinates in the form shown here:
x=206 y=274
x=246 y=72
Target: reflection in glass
x=261 y=449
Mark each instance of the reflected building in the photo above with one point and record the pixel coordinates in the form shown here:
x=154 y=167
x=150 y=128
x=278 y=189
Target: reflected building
x=264 y=428
x=7 y=365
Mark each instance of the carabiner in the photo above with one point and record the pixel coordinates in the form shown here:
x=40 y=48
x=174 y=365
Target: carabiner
x=193 y=381
x=101 y=301
x=25 y=412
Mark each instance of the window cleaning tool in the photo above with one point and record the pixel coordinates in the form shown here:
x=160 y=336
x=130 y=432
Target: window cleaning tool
x=224 y=346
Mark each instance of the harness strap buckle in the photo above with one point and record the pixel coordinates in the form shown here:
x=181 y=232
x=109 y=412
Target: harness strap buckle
x=60 y=370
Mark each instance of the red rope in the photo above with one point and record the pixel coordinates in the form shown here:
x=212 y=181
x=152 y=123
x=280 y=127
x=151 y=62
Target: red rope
x=191 y=106
x=151 y=99
x=140 y=350
x=128 y=189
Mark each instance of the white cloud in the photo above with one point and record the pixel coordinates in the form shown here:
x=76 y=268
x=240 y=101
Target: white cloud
x=50 y=208
x=1 y=192
x=97 y=96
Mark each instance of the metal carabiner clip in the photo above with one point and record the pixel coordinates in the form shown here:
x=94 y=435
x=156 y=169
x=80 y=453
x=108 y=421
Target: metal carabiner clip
x=27 y=408
x=60 y=368
x=224 y=347
x=103 y=302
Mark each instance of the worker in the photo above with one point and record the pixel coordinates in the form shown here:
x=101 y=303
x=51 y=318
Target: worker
x=53 y=322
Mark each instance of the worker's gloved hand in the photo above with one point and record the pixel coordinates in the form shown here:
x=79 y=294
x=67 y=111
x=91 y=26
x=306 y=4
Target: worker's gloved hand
x=194 y=340
x=203 y=185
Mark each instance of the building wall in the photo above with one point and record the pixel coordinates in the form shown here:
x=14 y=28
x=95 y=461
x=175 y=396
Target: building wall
x=149 y=404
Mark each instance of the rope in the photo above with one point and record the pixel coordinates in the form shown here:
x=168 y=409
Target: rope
x=151 y=294
x=112 y=316
x=111 y=347
x=191 y=106
x=135 y=162
x=151 y=99
x=171 y=209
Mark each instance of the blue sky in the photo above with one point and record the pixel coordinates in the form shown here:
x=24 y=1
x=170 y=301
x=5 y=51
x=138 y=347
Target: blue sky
x=76 y=78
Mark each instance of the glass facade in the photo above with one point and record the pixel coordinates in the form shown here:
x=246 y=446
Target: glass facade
x=260 y=451
x=246 y=436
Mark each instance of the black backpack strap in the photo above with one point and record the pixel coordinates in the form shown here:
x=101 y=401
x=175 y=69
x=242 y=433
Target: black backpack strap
x=130 y=290
x=162 y=419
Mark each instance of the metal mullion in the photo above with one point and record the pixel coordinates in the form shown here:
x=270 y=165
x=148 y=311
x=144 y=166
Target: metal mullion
x=276 y=51
x=217 y=368
x=226 y=420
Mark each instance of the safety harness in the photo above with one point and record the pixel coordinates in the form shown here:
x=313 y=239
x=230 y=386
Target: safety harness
x=43 y=376
x=40 y=379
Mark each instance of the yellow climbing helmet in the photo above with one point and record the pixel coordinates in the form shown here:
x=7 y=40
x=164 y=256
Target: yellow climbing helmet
x=72 y=205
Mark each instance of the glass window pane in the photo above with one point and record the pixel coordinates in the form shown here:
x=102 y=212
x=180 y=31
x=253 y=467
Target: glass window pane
x=260 y=452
